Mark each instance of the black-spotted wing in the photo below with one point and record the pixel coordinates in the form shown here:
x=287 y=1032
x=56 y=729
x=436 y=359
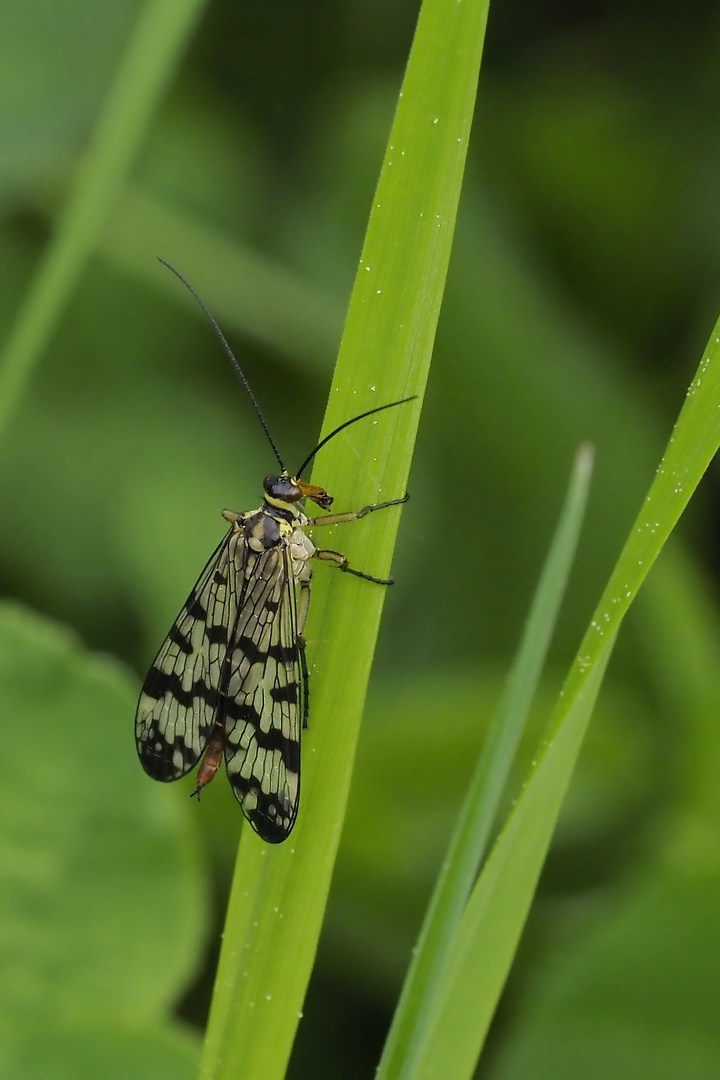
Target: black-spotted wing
x=232 y=662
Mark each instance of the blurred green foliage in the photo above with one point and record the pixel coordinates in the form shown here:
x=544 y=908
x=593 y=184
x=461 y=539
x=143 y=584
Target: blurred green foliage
x=102 y=899
x=584 y=281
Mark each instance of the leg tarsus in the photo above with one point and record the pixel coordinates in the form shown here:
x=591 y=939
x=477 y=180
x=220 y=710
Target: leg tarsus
x=355 y=515
x=342 y=564
x=367 y=577
x=382 y=506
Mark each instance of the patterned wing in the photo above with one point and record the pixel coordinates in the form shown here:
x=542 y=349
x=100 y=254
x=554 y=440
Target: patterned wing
x=264 y=697
x=179 y=698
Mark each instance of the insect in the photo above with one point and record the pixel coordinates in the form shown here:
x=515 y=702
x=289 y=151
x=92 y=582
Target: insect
x=231 y=680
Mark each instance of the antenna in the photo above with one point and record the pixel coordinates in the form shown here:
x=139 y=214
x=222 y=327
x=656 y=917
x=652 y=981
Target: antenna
x=231 y=356
x=347 y=423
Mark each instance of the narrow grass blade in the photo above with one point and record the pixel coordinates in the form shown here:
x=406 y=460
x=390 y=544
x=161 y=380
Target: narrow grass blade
x=147 y=66
x=278 y=896
x=487 y=937
x=482 y=952
x=479 y=812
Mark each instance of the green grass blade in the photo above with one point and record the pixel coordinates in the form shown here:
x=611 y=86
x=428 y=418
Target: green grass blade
x=147 y=66
x=487 y=937
x=490 y=928
x=279 y=895
x=479 y=812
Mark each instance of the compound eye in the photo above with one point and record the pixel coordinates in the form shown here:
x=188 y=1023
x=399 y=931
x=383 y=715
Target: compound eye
x=282 y=488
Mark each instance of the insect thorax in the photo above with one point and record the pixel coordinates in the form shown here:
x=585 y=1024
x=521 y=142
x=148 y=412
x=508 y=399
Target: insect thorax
x=273 y=526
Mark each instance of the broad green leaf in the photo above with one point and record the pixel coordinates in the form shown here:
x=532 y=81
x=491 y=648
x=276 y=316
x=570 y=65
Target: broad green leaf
x=85 y=1052
x=102 y=900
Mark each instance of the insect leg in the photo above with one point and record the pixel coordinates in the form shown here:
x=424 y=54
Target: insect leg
x=338 y=519
x=342 y=564
x=302 y=610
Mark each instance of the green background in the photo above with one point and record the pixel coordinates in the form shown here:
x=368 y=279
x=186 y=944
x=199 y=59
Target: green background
x=584 y=282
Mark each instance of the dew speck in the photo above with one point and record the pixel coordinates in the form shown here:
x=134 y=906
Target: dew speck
x=379 y=291
x=373 y=388
x=268 y=997
x=436 y=120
